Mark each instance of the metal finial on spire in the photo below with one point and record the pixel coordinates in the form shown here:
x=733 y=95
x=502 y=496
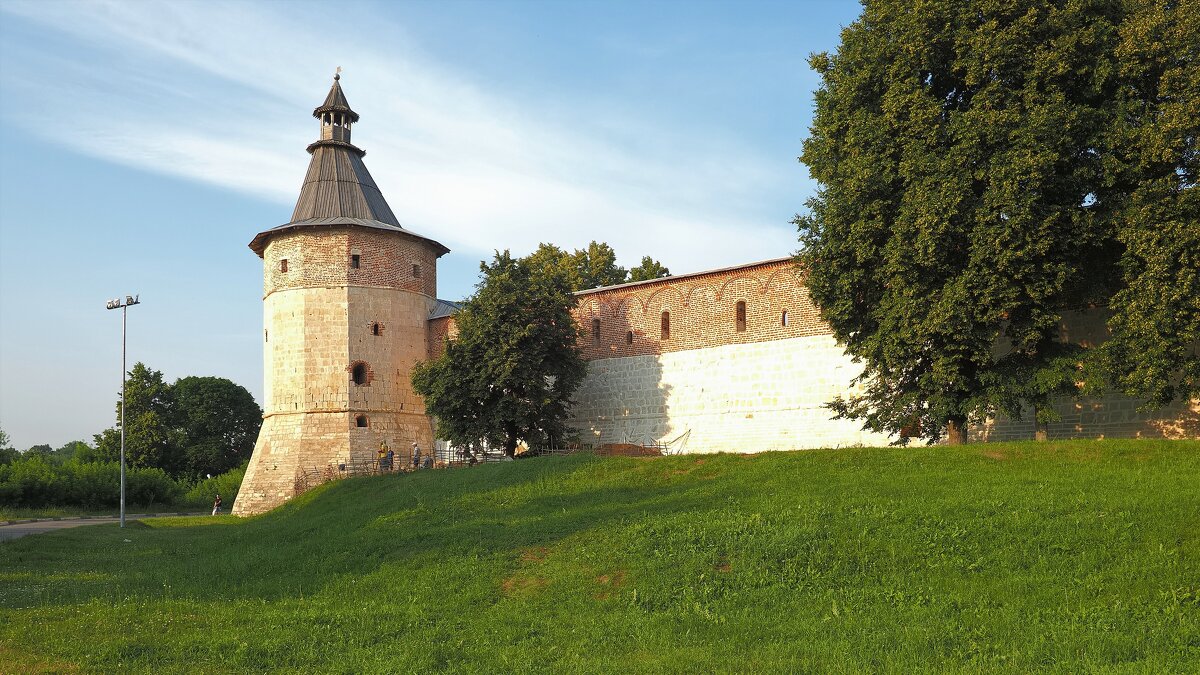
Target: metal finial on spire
x=337 y=75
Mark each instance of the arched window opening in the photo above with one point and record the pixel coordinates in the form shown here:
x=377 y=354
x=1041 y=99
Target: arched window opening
x=666 y=325
x=361 y=421
x=376 y=329
x=359 y=373
x=741 y=316
x=596 y=331
x=783 y=319
x=629 y=337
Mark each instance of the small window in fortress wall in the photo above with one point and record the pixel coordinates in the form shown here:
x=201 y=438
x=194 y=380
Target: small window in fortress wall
x=596 y=331
x=283 y=265
x=629 y=337
x=416 y=271
x=359 y=373
x=666 y=325
x=376 y=329
x=783 y=319
x=266 y=336
x=741 y=316
x=355 y=260
x=360 y=421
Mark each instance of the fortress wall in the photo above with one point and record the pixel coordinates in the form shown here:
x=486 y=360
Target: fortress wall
x=734 y=398
x=702 y=311
x=439 y=330
x=1112 y=416
x=735 y=382
x=761 y=384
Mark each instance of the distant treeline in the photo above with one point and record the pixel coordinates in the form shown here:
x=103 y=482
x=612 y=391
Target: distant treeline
x=185 y=442
x=36 y=481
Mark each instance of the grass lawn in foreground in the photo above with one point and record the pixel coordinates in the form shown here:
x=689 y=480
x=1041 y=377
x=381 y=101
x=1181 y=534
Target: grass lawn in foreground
x=1061 y=556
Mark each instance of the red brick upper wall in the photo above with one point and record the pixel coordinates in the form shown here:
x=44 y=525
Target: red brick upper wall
x=440 y=329
x=702 y=309
x=318 y=257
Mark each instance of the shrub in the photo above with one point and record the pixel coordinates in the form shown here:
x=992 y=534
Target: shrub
x=151 y=486
x=226 y=485
x=31 y=482
x=93 y=484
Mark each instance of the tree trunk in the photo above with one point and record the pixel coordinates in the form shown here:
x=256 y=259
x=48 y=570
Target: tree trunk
x=956 y=431
x=1040 y=432
x=510 y=446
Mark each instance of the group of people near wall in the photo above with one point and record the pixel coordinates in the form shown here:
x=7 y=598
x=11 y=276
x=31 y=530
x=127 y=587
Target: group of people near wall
x=387 y=458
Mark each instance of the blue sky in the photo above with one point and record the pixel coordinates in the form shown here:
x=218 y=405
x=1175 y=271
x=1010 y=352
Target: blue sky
x=145 y=144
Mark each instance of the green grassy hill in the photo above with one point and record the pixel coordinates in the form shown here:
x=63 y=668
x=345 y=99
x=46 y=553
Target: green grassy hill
x=1069 y=557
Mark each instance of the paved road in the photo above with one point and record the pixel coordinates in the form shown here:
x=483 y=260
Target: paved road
x=38 y=526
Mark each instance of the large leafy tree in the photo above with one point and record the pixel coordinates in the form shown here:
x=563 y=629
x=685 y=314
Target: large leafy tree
x=149 y=411
x=594 y=266
x=961 y=206
x=8 y=454
x=1156 y=164
x=597 y=266
x=648 y=269
x=195 y=426
x=216 y=424
x=510 y=373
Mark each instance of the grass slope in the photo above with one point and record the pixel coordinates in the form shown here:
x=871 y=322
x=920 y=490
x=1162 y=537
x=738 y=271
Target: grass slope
x=1069 y=557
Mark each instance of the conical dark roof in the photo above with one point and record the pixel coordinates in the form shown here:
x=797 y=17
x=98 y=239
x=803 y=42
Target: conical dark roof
x=338 y=190
x=336 y=102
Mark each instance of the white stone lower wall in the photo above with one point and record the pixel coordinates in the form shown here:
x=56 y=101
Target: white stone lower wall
x=733 y=398
x=771 y=396
x=1113 y=416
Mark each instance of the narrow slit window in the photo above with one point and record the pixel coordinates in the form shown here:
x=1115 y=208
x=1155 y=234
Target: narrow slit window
x=266 y=336
x=376 y=330
x=416 y=271
x=741 y=316
x=355 y=260
x=361 y=421
x=629 y=337
x=666 y=325
x=783 y=319
x=283 y=265
x=359 y=373
x=596 y=331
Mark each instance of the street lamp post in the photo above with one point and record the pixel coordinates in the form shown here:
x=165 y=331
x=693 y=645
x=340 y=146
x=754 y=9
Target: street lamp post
x=124 y=306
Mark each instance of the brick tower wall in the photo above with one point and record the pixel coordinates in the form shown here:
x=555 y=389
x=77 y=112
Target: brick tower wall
x=322 y=316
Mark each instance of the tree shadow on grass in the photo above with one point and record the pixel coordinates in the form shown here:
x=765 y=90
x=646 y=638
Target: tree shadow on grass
x=348 y=529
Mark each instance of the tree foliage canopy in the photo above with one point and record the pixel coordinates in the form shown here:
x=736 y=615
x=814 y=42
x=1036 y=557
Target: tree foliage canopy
x=196 y=426
x=593 y=267
x=510 y=373
x=1156 y=165
x=980 y=165
x=648 y=269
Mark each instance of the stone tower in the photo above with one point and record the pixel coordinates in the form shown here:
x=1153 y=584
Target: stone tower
x=347 y=293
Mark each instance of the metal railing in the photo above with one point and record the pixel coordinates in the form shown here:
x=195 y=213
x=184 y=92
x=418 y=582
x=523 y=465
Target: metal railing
x=309 y=478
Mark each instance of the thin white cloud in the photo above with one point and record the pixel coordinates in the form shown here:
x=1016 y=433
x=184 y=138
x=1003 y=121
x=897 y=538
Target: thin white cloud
x=457 y=161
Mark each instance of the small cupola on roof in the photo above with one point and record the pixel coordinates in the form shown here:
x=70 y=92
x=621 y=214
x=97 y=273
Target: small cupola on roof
x=336 y=117
x=338 y=190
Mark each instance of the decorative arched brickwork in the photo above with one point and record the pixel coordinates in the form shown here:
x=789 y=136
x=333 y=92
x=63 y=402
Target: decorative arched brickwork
x=702 y=309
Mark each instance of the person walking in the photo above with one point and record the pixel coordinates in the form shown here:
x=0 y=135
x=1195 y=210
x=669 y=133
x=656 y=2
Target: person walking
x=416 y=453
x=217 y=505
